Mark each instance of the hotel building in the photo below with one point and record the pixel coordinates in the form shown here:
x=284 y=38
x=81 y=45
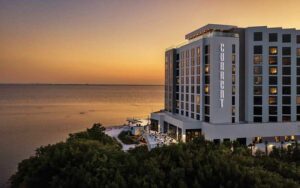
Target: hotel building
x=231 y=83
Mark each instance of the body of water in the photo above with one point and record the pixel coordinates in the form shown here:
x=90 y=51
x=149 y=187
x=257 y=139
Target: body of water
x=35 y=115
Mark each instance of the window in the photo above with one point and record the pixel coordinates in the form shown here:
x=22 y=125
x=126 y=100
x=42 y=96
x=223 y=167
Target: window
x=298 y=39
x=286 y=70
x=257 y=59
x=273 y=80
x=206 y=59
x=257 y=100
x=272 y=60
x=298 y=100
x=298 y=70
x=273 y=90
x=298 y=51
x=286 y=110
x=233 y=100
x=206 y=79
x=257 y=119
x=272 y=100
x=233 y=48
x=233 y=79
x=286 y=118
x=273 y=50
x=286 y=60
x=286 y=50
x=258 y=50
x=298 y=109
x=286 y=80
x=206 y=49
x=206 y=109
x=206 y=69
x=272 y=37
x=273 y=110
x=286 y=90
x=206 y=99
x=206 y=89
x=298 y=90
x=257 y=70
x=286 y=38
x=233 y=69
x=273 y=70
x=272 y=118
x=286 y=100
x=257 y=80
x=257 y=110
x=206 y=119
x=257 y=90
x=257 y=36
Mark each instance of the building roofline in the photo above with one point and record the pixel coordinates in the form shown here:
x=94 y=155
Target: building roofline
x=208 y=28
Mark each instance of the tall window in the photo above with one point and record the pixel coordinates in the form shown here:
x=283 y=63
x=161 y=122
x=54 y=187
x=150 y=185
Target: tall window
x=298 y=39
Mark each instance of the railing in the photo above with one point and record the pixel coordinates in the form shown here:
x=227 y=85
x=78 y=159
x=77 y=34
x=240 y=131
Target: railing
x=207 y=35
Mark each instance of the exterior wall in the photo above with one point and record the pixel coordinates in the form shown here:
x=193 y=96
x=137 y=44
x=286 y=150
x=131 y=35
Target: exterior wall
x=188 y=80
x=218 y=114
x=281 y=87
x=170 y=79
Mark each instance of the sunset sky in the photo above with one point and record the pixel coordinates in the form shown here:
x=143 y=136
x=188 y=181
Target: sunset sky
x=114 y=41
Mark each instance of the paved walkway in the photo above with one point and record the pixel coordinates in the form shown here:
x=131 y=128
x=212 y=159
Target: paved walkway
x=114 y=132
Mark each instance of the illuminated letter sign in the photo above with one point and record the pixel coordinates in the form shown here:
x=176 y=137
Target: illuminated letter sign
x=222 y=78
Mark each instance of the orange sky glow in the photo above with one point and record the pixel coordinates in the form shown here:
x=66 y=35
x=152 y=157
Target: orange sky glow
x=114 y=42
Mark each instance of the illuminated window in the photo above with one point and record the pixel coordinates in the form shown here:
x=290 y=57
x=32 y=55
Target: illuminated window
x=206 y=89
x=233 y=69
x=277 y=139
x=293 y=137
x=273 y=50
x=298 y=100
x=273 y=90
x=198 y=99
x=193 y=52
x=198 y=51
x=272 y=60
x=298 y=51
x=257 y=59
x=273 y=70
x=233 y=90
x=206 y=69
x=233 y=58
x=257 y=80
x=257 y=69
x=272 y=100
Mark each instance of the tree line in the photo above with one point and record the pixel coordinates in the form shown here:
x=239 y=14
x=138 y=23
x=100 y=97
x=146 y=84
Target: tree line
x=93 y=159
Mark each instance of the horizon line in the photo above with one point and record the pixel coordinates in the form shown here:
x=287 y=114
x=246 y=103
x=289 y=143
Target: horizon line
x=82 y=84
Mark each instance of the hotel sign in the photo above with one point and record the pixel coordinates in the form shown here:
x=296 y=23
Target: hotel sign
x=222 y=70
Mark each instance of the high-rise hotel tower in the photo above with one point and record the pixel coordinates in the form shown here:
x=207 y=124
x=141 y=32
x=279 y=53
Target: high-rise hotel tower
x=231 y=83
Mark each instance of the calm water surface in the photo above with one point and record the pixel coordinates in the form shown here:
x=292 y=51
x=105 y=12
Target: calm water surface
x=35 y=115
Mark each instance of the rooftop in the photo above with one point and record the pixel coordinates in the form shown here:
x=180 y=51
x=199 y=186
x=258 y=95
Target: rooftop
x=209 y=28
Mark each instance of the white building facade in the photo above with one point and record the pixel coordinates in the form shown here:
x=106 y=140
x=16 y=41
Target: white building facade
x=230 y=83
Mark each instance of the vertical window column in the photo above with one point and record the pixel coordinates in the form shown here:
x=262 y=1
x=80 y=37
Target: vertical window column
x=206 y=85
